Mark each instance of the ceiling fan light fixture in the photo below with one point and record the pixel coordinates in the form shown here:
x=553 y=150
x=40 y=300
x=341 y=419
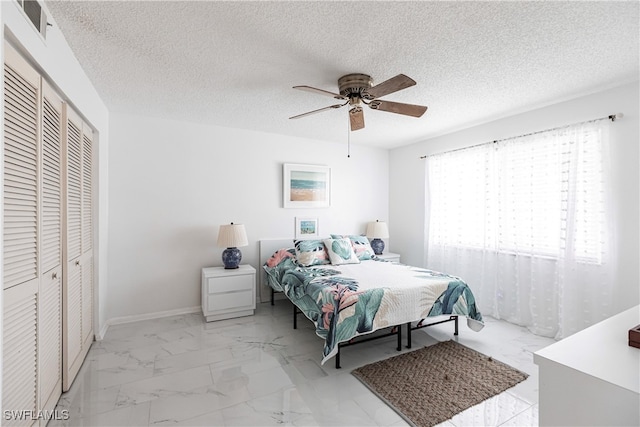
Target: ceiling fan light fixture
x=357 y=89
x=356 y=118
x=354 y=84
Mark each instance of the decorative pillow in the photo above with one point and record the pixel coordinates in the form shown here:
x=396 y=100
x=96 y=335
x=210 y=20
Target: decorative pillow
x=310 y=252
x=361 y=246
x=341 y=251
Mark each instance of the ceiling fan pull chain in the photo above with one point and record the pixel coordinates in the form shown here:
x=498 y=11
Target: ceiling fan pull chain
x=348 y=139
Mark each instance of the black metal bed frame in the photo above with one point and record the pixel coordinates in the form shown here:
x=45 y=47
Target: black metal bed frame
x=420 y=325
x=395 y=330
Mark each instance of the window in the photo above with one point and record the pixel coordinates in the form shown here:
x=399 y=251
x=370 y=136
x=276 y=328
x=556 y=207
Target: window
x=35 y=14
x=524 y=222
x=540 y=194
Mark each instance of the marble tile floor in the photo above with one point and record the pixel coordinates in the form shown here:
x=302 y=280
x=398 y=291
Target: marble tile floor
x=258 y=371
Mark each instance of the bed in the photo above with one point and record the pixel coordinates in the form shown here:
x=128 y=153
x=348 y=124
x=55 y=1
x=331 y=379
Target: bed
x=349 y=300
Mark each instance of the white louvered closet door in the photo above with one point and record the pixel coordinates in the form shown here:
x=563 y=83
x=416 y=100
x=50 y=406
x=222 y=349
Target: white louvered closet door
x=78 y=253
x=86 y=229
x=20 y=237
x=48 y=231
x=50 y=307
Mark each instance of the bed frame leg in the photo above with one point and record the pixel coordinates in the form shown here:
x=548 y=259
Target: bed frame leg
x=295 y=317
x=272 y=296
x=456 y=327
x=338 y=358
x=399 y=347
x=408 y=334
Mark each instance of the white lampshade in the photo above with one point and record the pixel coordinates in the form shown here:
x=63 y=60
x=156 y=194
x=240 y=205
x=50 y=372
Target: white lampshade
x=378 y=230
x=232 y=236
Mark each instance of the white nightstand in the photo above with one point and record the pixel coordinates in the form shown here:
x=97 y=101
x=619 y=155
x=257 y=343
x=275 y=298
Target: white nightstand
x=390 y=256
x=228 y=293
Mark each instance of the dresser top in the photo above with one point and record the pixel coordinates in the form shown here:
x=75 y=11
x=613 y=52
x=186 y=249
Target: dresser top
x=602 y=351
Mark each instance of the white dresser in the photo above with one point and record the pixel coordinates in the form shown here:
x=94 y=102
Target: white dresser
x=228 y=293
x=592 y=378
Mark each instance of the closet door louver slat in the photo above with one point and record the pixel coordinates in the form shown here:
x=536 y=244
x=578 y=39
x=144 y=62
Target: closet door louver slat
x=50 y=344
x=51 y=188
x=87 y=223
x=20 y=176
x=73 y=307
x=87 y=298
x=74 y=189
x=19 y=373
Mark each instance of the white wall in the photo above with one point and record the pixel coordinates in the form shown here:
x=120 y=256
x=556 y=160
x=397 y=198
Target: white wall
x=406 y=175
x=172 y=184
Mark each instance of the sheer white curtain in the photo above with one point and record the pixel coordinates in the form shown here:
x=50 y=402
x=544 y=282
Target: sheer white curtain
x=526 y=223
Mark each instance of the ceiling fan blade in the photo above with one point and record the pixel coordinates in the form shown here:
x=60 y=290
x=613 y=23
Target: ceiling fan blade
x=320 y=91
x=317 y=111
x=398 y=108
x=394 y=84
x=356 y=118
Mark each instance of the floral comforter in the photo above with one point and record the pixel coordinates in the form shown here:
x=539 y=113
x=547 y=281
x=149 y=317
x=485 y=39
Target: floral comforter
x=345 y=301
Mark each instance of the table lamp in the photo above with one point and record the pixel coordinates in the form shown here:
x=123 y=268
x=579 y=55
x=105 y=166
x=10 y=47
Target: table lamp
x=377 y=231
x=232 y=236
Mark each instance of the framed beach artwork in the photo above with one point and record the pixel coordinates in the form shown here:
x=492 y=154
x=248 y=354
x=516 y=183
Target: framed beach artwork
x=306 y=228
x=306 y=186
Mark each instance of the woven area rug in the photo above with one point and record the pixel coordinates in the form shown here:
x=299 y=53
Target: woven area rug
x=431 y=385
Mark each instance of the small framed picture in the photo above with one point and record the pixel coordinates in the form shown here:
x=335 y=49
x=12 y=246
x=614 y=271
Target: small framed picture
x=306 y=228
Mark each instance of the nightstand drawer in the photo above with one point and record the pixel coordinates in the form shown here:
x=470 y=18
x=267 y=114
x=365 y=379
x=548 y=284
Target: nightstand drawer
x=232 y=301
x=229 y=284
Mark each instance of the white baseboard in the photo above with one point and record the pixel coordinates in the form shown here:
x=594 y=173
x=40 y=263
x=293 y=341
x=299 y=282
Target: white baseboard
x=102 y=332
x=138 y=317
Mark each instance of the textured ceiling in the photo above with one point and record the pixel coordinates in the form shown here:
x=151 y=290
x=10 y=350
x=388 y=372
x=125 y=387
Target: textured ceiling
x=234 y=63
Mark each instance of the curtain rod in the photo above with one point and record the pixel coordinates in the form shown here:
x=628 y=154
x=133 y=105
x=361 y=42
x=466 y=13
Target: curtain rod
x=612 y=117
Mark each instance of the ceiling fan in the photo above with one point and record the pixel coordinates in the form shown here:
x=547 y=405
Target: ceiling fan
x=358 y=89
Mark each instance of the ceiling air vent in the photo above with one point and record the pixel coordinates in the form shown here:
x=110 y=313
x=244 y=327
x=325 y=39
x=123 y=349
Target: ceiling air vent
x=36 y=15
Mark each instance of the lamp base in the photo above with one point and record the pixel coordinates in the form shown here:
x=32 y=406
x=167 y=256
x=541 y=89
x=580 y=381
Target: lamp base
x=378 y=246
x=231 y=258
